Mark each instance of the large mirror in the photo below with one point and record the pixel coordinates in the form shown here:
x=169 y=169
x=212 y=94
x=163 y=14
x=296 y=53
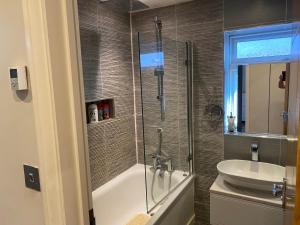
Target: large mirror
x=263 y=98
x=259 y=88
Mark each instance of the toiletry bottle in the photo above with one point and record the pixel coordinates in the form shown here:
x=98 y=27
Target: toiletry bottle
x=93 y=113
x=100 y=111
x=231 y=126
x=106 y=111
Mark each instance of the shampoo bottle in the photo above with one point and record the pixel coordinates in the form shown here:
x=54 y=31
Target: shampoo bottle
x=93 y=113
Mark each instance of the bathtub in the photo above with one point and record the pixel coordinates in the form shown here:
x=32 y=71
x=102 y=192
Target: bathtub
x=119 y=200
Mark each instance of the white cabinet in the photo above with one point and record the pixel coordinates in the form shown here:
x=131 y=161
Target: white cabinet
x=232 y=206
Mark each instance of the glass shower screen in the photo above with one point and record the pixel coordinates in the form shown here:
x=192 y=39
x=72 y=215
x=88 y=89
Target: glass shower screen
x=166 y=97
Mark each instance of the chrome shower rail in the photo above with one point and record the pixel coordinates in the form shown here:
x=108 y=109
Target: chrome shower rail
x=189 y=74
x=159 y=70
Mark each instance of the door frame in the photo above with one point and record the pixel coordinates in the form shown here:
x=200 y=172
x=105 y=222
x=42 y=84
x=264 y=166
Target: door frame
x=53 y=46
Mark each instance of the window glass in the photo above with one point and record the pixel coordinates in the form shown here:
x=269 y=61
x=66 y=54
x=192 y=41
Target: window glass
x=264 y=48
x=153 y=59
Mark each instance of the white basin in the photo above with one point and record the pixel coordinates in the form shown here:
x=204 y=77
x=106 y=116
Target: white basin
x=249 y=174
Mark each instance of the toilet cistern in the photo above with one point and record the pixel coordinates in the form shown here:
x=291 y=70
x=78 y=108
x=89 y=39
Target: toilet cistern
x=254 y=152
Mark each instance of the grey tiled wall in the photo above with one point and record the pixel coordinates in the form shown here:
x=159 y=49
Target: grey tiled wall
x=106 y=55
x=271 y=149
x=293 y=10
x=202 y=23
x=254 y=12
x=249 y=13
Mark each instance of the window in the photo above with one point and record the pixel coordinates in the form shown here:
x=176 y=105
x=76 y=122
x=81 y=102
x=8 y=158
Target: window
x=153 y=59
x=264 y=48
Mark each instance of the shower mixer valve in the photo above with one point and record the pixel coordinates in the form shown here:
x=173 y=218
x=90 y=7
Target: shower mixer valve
x=161 y=160
x=162 y=163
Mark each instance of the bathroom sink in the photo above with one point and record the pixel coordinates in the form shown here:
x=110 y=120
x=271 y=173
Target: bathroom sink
x=249 y=174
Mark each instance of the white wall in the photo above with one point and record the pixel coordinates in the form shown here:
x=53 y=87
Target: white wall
x=277 y=99
x=265 y=101
x=294 y=100
x=257 y=92
x=18 y=205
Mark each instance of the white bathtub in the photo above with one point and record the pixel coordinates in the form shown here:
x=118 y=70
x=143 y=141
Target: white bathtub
x=119 y=200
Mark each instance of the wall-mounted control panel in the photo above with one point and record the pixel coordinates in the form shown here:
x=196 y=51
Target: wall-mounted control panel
x=18 y=78
x=32 y=177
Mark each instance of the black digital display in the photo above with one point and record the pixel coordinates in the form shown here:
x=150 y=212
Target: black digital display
x=13 y=73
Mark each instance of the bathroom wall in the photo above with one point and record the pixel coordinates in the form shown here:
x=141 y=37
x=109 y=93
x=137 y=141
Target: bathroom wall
x=264 y=101
x=106 y=55
x=271 y=149
x=239 y=14
x=202 y=23
x=18 y=204
x=293 y=12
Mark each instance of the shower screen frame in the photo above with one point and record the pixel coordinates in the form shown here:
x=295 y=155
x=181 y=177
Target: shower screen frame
x=190 y=129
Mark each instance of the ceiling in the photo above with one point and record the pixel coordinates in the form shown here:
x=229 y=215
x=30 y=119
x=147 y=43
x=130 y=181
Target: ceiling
x=152 y=4
x=141 y=5
x=162 y=3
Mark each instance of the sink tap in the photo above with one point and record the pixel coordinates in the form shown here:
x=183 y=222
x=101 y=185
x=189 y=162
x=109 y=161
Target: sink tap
x=254 y=152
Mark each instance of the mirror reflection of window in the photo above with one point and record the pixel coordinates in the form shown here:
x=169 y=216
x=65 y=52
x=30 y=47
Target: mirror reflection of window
x=259 y=89
x=263 y=98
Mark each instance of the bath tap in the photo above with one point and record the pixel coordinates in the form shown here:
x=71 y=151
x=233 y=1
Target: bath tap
x=161 y=163
x=161 y=159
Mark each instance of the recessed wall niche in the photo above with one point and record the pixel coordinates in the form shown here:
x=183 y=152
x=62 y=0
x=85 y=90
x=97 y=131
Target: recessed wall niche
x=98 y=111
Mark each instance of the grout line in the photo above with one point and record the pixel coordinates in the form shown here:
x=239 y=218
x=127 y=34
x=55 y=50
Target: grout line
x=134 y=96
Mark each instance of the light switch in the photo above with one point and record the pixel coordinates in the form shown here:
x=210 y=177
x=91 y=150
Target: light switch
x=32 y=179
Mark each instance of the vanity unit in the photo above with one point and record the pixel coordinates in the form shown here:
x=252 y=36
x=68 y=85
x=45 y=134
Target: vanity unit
x=260 y=150
x=244 y=194
x=230 y=205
